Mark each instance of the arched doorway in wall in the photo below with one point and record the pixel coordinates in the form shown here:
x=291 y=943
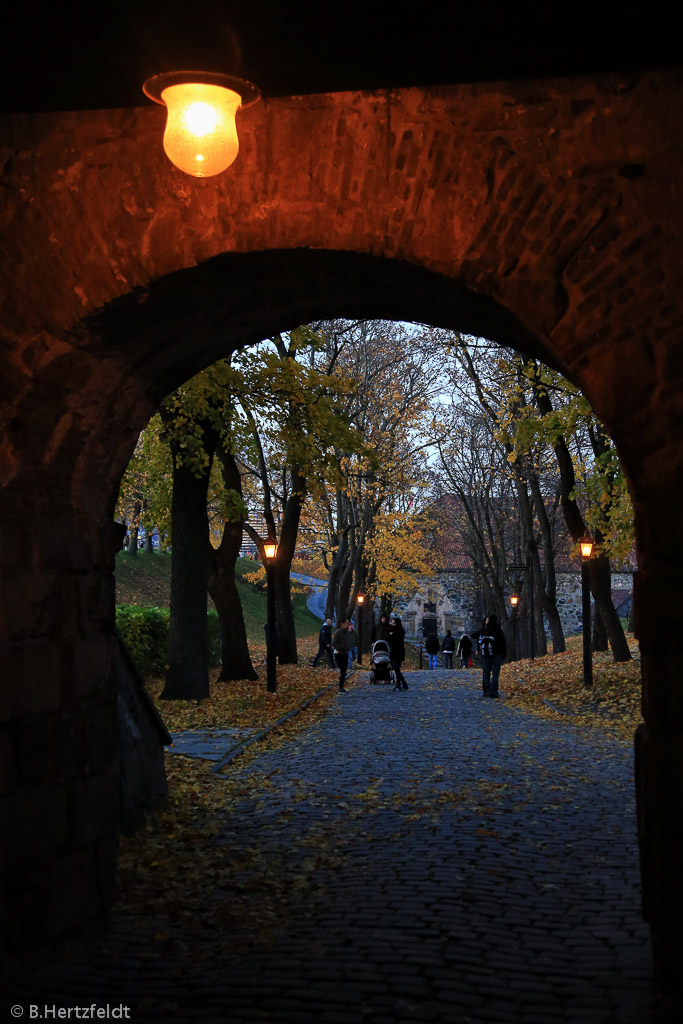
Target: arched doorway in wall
x=79 y=390
x=183 y=323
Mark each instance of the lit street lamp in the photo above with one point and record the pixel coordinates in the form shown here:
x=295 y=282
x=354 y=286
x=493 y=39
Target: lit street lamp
x=361 y=601
x=528 y=568
x=586 y=545
x=514 y=602
x=270 y=554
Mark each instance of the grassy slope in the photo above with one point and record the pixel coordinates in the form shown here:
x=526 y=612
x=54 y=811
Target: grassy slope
x=145 y=580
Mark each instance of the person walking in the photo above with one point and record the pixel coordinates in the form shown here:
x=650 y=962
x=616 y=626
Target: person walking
x=464 y=651
x=493 y=648
x=381 y=629
x=353 y=641
x=448 y=648
x=397 y=651
x=432 y=647
x=325 y=643
x=340 y=646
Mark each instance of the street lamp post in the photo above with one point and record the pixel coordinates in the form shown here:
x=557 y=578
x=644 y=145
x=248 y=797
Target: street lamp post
x=514 y=602
x=270 y=554
x=528 y=568
x=586 y=545
x=361 y=601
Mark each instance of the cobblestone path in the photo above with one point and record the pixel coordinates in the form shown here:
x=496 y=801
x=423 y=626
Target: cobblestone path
x=465 y=863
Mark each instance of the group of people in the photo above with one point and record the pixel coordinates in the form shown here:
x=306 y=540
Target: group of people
x=340 y=646
x=491 y=646
x=448 y=648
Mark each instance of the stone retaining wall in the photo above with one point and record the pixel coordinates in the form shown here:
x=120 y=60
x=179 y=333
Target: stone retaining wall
x=457 y=598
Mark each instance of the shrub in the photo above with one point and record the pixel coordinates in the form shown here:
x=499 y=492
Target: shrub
x=145 y=631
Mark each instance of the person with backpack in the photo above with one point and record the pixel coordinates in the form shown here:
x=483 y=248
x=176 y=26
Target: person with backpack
x=432 y=647
x=464 y=651
x=325 y=643
x=493 y=648
x=448 y=648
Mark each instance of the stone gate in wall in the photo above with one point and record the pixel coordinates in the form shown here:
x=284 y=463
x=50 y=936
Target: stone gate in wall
x=455 y=599
x=542 y=215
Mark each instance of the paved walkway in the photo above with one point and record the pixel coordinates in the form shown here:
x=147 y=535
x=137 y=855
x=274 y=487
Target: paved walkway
x=451 y=860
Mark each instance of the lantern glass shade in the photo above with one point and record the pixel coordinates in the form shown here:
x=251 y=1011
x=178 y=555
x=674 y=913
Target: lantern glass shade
x=201 y=133
x=361 y=598
x=586 y=545
x=514 y=600
x=270 y=550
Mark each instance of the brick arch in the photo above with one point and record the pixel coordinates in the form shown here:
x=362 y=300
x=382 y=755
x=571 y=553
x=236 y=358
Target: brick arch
x=540 y=215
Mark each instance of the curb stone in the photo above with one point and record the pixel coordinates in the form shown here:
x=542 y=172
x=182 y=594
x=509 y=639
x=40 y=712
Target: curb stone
x=240 y=747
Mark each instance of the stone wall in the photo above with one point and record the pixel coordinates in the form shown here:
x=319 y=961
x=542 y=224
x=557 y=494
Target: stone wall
x=458 y=604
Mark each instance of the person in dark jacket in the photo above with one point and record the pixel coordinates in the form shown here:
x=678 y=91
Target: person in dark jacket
x=464 y=651
x=380 y=630
x=353 y=645
x=397 y=651
x=341 y=644
x=325 y=643
x=448 y=647
x=493 y=648
x=432 y=647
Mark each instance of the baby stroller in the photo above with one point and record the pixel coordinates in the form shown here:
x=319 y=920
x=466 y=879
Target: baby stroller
x=380 y=665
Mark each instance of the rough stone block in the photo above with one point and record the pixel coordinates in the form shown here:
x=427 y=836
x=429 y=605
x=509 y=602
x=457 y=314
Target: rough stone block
x=34 y=825
x=74 y=893
x=8 y=770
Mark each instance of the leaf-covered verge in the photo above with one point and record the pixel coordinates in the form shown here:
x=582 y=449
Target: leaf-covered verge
x=553 y=688
x=246 y=704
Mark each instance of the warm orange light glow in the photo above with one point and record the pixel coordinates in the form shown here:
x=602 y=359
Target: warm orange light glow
x=586 y=544
x=201 y=133
x=360 y=598
x=514 y=600
x=270 y=549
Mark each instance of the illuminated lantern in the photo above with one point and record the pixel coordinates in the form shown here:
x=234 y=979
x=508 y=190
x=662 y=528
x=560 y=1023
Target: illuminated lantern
x=586 y=544
x=270 y=549
x=201 y=133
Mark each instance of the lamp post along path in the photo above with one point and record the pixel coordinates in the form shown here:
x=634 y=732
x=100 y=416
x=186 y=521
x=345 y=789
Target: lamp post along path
x=361 y=601
x=270 y=553
x=586 y=545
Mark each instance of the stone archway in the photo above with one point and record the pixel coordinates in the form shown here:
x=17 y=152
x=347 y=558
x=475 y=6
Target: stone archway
x=537 y=216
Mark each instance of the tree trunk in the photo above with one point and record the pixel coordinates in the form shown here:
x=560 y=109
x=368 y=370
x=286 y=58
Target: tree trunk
x=601 y=588
x=599 y=633
x=132 y=542
x=235 y=657
x=333 y=576
x=600 y=574
x=187 y=677
x=284 y=611
x=547 y=587
x=149 y=547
